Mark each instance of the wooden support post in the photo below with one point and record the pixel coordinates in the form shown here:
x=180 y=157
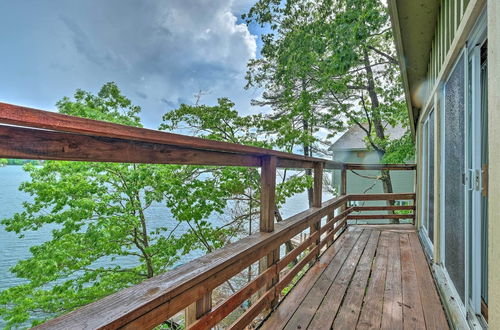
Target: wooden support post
x=328 y=218
x=267 y=193
x=197 y=309
x=317 y=200
x=267 y=209
x=414 y=210
x=343 y=182
x=318 y=185
x=343 y=190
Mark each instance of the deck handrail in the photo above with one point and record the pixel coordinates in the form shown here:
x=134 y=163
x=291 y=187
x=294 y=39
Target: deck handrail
x=78 y=130
x=39 y=134
x=153 y=301
x=52 y=135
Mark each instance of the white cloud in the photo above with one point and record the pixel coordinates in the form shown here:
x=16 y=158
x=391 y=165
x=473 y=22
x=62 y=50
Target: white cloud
x=159 y=52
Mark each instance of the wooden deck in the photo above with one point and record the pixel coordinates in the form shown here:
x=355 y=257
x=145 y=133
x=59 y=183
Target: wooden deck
x=372 y=277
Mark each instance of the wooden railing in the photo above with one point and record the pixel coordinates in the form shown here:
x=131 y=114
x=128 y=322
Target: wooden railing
x=52 y=136
x=408 y=197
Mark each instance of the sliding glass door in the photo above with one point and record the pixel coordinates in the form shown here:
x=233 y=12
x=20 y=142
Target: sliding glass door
x=453 y=179
x=464 y=166
x=476 y=174
x=427 y=197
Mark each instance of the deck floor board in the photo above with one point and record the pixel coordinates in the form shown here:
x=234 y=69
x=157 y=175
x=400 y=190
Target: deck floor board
x=373 y=277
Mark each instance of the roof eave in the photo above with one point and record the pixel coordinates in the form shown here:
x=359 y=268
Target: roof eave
x=413 y=24
x=393 y=12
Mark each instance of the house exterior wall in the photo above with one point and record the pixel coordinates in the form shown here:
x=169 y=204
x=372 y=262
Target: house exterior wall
x=403 y=181
x=494 y=162
x=455 y=23
x=450 y=17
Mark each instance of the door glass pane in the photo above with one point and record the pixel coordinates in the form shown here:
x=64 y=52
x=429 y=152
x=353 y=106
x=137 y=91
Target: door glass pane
x=425 y=168
x=484 y=168
x=469 y=170
x=430 y=182
x=453 y=176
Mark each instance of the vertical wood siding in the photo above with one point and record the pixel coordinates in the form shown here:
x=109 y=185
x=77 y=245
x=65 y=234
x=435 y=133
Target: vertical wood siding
x=450 y=15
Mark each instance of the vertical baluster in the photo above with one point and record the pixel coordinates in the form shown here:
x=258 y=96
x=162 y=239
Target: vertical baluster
x=343 y=182
x=317 y=200
x=343 y=189
x=267 y=209
x=197 y=309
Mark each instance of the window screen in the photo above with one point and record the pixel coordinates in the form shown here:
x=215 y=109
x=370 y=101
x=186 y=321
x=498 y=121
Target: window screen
x=430 y=182
x=454 y=167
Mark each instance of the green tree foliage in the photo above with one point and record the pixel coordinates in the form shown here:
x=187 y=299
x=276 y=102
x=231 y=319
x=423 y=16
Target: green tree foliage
x=99 y=210
x=17 y=161
x=99 y=215
x=326 y=64
x=223 y=123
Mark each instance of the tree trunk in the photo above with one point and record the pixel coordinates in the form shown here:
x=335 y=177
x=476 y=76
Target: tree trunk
x=288 y=244
x=307 y=148
x=379 y=128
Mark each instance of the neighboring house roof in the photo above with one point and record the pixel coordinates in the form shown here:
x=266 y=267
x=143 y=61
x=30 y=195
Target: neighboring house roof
x=354 y=138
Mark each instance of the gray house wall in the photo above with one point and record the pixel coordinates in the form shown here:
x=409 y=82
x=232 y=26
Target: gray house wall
x=402 y=181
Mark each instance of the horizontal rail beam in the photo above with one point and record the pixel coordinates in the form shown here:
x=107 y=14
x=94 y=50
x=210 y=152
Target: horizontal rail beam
x=234 y=301
x=329 y=224
x=34 y=118
x=381 y=197
x=28 y=143
x=296 y=269
x=254 y=310
x=329 y=236
x=389 y=167
x=154 y=300
x=292 y=255
x=380 y=216
x=383 y=208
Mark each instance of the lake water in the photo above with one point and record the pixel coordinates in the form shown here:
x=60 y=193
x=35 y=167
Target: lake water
x=13 y=248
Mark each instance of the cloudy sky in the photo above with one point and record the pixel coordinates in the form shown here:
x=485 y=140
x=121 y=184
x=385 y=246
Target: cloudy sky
x=159 y=52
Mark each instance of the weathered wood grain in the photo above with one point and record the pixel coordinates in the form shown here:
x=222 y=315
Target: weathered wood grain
x=230 y=304
x=327 y=310
x=384 y=292
x=283 y=262
x=433 y=310
x=27 y=143
x=293 y=299
x=348 y=314
x=253 y=311
x=413 y=316
x=28 y=117
x=390 y=167
x=392 y=314
x=296 y=269
x=381 y=197
x=156 y=299
x=379 y=216
x=305 y=312
x=371 y=312
x=383 y=208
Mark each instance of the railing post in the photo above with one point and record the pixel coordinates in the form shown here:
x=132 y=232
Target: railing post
x=317 y=199
x=318 y=185
x=343 y=181
x=267 y=209
x=414 y=199
x=197 y=309
x=343 y=188
x=267 y=193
